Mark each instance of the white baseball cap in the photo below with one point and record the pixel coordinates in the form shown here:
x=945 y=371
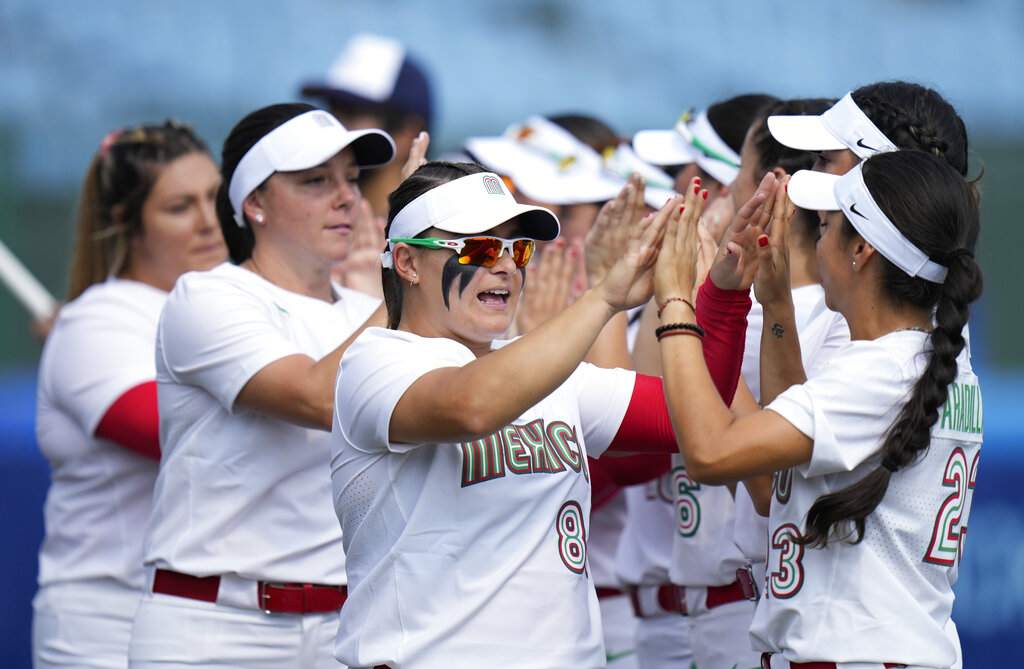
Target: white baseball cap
x=302 y=142
x=843 y=126
x=692 y=140
x=819 y=191
x=547 y=163
x=469 y=205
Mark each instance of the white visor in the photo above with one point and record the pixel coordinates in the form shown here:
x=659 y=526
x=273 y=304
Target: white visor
x=691 y=141
x=843 y=126
x=469 y=205
x=819 y=191
x=307 y=140
x=622 y=162
x=546 y=162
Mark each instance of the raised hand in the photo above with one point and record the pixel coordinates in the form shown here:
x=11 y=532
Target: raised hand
x=548 y=288
x=676 y=272
x=736 y=261
x=771 y=281
x=417 y=154
x=707 y=248
x=630 y=281
x=718 y=217
x=360 y=270
x=610 y=231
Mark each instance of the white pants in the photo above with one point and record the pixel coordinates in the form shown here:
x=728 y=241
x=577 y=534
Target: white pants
x=721 y=636
x=619 y=626
x=86 y=624
x=663 y=642
x=174 y=632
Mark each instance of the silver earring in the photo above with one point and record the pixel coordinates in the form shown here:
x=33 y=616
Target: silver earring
x=259 y=218
x=412 y=281
x=855 y=264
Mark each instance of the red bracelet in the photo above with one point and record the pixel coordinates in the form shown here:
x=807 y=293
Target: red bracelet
x=662 y=306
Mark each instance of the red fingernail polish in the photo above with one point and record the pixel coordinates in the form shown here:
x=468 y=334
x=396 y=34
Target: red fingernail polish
x=705 y=195
x=681 y=208
x=696 y=180
x=696 y=189
x=762 y=241
x=786 y=187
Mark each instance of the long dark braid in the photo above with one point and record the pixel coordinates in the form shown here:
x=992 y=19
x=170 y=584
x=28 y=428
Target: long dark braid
x=937 y=210
x=915 y=117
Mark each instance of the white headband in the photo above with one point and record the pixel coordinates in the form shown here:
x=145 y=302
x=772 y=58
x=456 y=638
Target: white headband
x=302 y=142
x=842 y=126
x=468 y=205
x=820 y=191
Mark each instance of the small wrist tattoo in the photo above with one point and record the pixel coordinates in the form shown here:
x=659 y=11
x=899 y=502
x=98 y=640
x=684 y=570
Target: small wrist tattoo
x=777 y=331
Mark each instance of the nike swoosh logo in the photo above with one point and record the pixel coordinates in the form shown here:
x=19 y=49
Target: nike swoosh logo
x=611 y=657
x=853 y=208
x=861 y=144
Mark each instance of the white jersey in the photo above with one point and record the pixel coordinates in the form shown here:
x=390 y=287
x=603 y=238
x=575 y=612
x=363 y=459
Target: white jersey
x=100 y=347
x=822 y=332
x=239 y=492
x=606 y=523
x=888 y=598
x=645 y=548
x=468 y=554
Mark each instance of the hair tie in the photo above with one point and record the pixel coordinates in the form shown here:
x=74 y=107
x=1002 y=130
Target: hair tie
x=959 y=252
x=890 y=465
x=108 y=141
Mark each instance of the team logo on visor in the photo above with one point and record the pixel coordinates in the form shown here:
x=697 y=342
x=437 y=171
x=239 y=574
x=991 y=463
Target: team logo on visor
x=492 y=185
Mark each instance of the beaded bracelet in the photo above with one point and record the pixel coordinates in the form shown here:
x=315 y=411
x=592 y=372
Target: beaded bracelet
x=679 y=328
x=662 y=306
x=679 y=332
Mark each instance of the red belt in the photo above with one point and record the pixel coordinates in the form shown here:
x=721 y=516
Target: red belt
x=272 y=597
x=766 y=664
x=667 y=600
x=603 y=593
x=717 y=595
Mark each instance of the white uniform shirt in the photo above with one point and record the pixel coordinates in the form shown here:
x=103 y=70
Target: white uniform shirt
x=100 y=347
x=888 y=598
x=822 y=332
x=645 y=549
x=239 y=492
x=467 y=554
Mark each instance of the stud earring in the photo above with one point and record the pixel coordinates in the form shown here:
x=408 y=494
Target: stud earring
x=259 y=218
x=855 y=264
x=412 y=281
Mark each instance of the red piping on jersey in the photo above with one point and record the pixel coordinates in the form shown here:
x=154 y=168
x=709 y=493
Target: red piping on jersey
x=133 y=421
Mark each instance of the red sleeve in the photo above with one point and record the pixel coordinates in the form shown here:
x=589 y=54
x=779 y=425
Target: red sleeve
x=132 y=421
x=646 y=427
x=723 y=315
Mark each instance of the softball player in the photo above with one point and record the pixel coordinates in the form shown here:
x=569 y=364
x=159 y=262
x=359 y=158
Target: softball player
x=466 y=549
x=244 y=555
x=876 y=118
x=716 y=601
x=146 y=216
x=877 y=453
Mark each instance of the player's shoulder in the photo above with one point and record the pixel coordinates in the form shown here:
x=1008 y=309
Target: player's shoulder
x=110 y=302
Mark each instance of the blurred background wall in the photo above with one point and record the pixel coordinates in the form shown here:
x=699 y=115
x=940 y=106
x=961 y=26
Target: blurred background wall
x=71 y=71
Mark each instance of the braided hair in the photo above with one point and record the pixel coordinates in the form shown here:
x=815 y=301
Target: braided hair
x=936 y=209
x=915 y=117
x=117 y=183
x=426 y=177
